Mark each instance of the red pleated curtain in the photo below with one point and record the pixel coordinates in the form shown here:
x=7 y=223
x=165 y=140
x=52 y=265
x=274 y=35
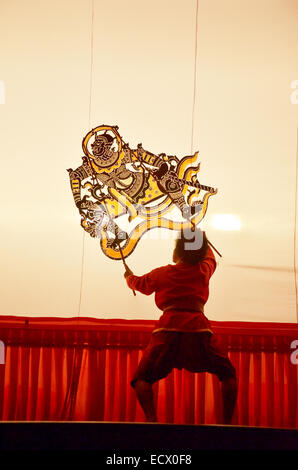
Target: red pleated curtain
x=79 y=369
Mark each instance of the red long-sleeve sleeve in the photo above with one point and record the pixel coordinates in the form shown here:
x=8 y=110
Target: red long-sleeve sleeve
x=176 y=281
x=208 y=265
x=146 y=284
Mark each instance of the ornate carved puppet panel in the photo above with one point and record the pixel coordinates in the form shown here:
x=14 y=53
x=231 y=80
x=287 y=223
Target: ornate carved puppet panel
x=115 y=180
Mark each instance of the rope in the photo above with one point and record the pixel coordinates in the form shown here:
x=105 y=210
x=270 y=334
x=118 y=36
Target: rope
x=89 y=124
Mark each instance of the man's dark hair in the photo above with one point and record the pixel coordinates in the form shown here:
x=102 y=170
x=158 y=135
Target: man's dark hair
x=191 y=247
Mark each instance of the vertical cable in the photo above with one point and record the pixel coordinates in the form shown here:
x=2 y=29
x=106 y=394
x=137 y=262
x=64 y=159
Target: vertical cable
x=89 y=124
x=195 y=77
x=295 y=232
x=91 y=61
x=82 y=272
x=72 y=389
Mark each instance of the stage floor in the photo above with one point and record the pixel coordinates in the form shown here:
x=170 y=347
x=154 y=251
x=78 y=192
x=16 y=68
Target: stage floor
x=114 y=436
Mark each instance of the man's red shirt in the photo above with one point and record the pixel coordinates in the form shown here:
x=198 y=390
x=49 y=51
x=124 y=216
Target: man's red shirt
x=176 y=281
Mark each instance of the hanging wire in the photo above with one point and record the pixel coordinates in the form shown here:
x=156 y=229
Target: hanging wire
x=195 y=94
x=82 y=273
x=89 y=124
x=295 y=232
x=91 y=61
x=72 y=389
x=195 y=77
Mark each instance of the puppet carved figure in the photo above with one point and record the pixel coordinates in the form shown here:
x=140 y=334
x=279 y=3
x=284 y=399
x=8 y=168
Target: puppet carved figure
x=115 y=180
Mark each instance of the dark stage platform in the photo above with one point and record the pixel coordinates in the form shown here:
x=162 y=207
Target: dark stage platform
x=112 y=436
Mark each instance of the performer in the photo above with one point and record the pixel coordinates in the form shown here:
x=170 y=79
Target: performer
x=183 y=337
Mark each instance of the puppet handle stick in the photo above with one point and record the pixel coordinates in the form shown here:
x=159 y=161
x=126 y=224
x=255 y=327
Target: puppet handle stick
x=214 y=248
x=108 y=214
x=124 y=262
x=194 y=227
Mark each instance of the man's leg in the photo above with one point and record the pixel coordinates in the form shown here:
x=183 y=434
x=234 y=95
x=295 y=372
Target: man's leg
x=217 y=362
x=229 y=394
x=145 y=396
x=156 y=363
